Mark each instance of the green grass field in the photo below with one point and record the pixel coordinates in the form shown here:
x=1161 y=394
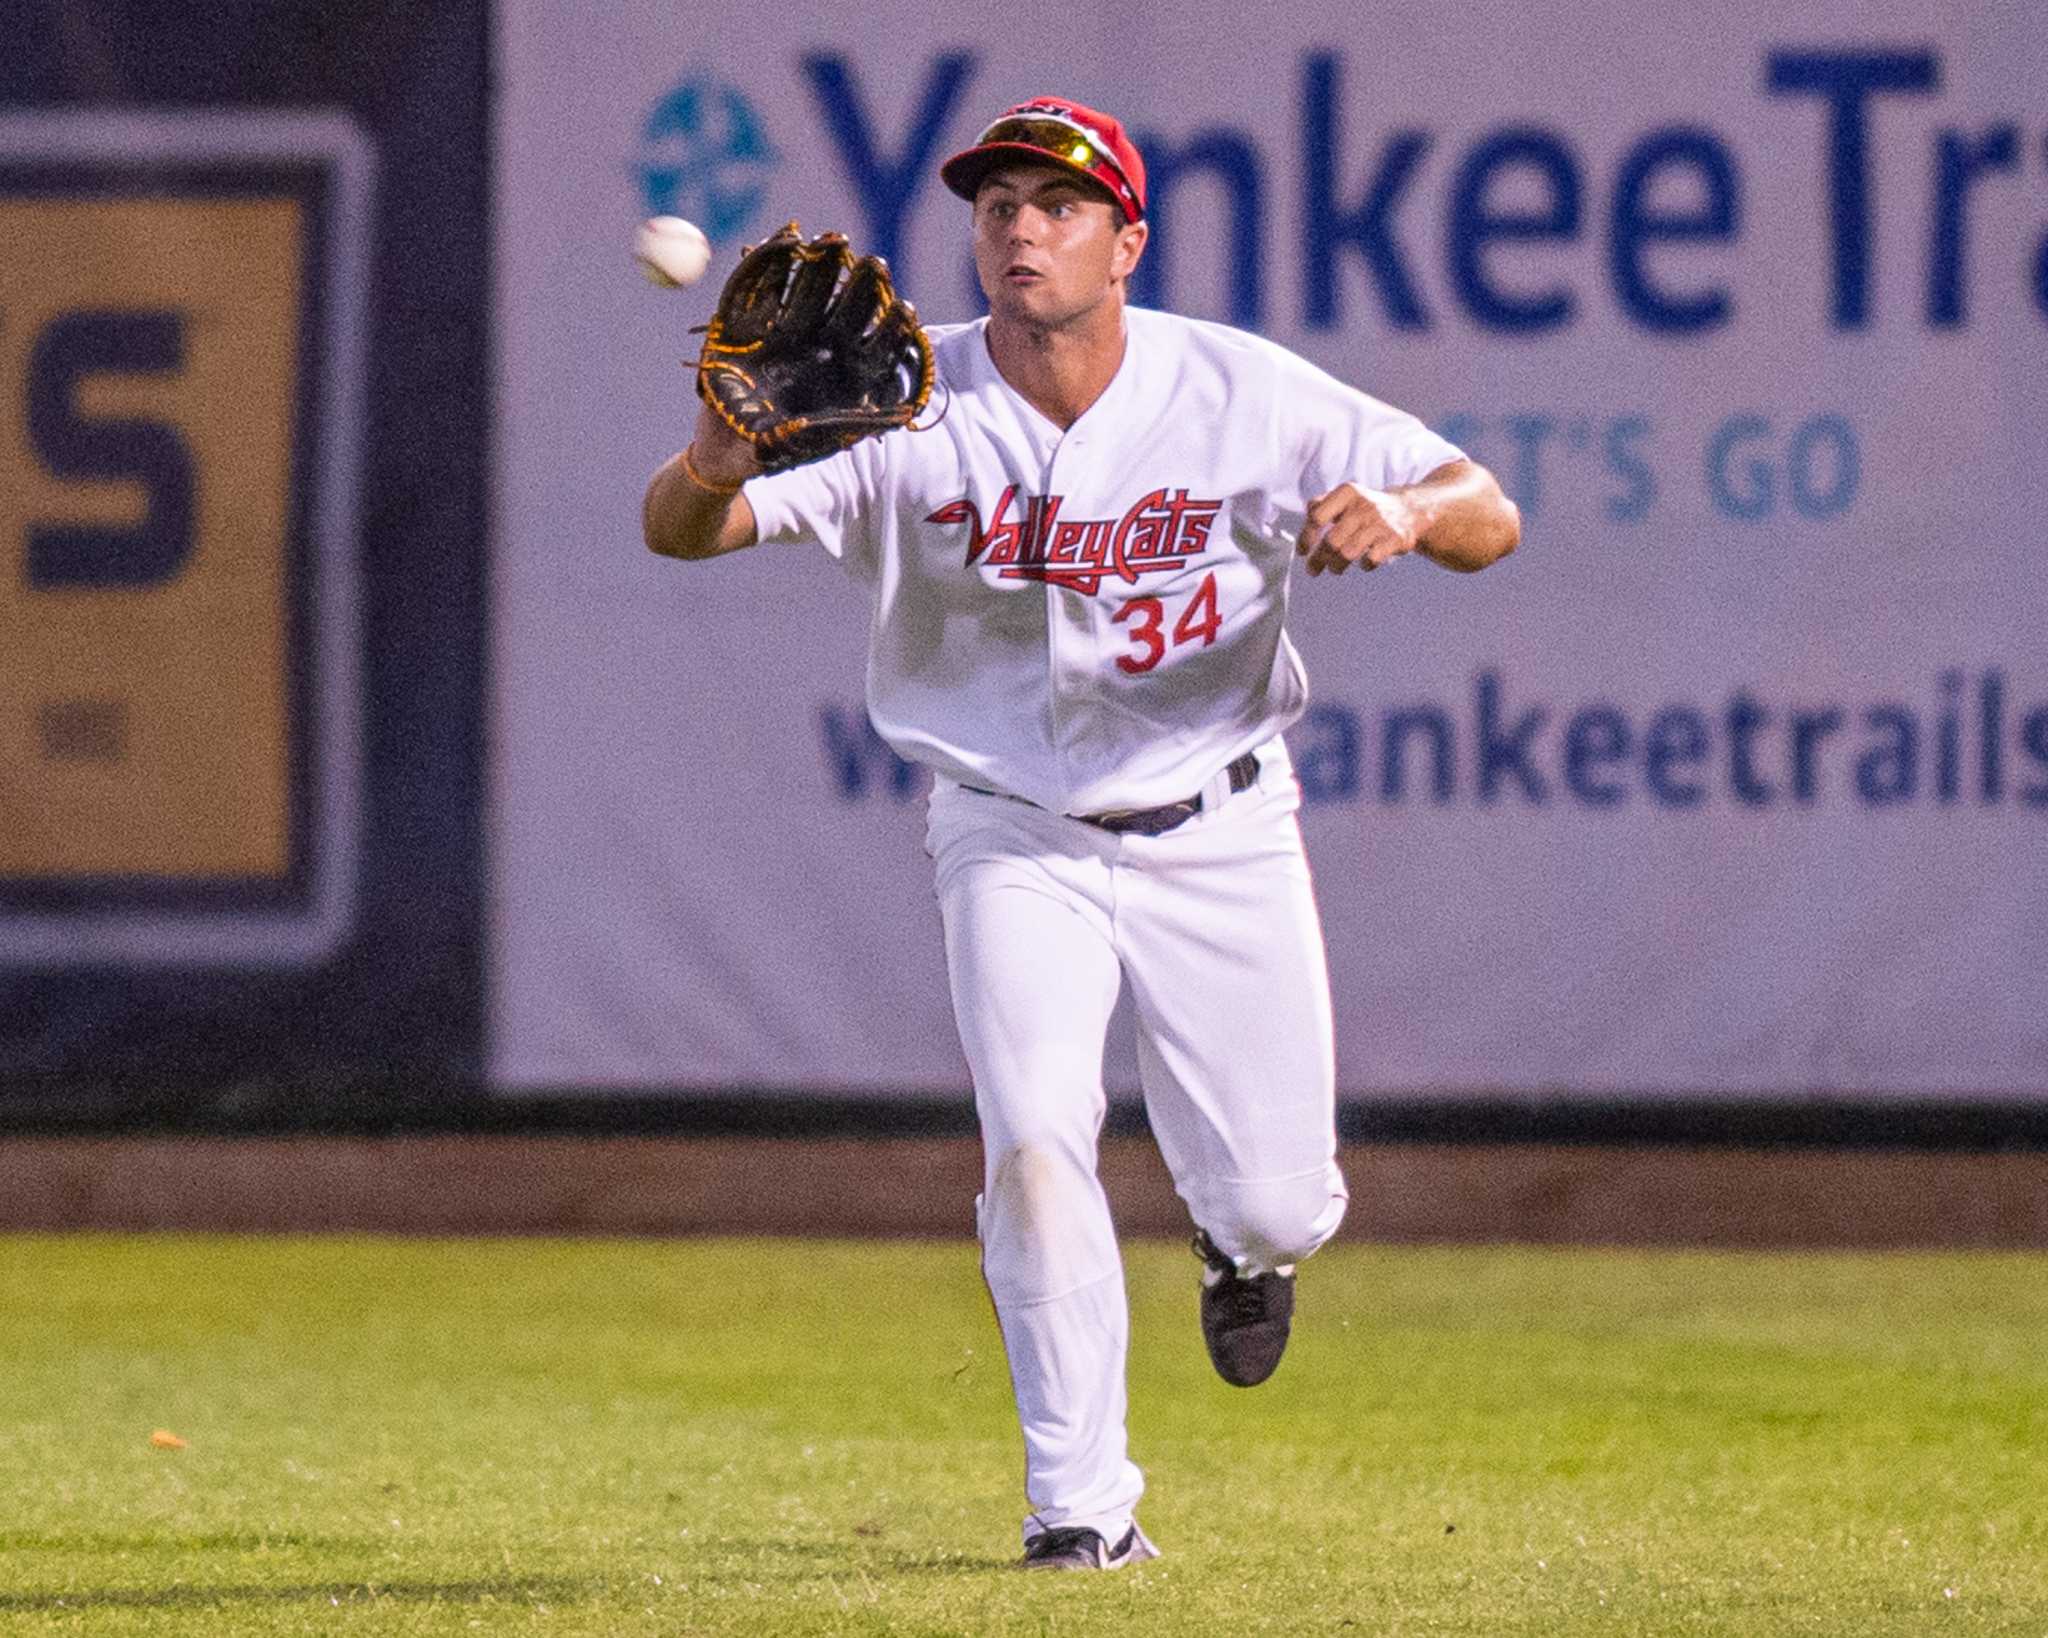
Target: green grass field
x=602 y=1437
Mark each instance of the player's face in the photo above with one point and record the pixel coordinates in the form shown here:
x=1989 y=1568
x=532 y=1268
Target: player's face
x=1049 y=247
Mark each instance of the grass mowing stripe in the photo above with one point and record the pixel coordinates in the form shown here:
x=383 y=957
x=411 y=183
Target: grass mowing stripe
x=626 y=1437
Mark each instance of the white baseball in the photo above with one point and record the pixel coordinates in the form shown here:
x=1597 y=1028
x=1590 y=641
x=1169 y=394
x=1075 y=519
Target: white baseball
x=671 y=251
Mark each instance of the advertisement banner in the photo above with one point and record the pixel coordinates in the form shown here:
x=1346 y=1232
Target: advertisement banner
x=1733 y=780
x=183 y=340
x=243 y=324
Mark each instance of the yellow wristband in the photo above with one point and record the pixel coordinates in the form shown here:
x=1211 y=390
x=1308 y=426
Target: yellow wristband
x=704 y=483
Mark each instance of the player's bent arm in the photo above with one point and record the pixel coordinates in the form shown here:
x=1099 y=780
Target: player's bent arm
x=679 y=519
x=693 y=507
x=1466 y=520
x=1457 y=516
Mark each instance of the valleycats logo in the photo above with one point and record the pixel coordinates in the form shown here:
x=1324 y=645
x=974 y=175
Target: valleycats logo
x=1160 y=532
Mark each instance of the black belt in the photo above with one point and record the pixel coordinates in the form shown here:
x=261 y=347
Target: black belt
x=1244 y=773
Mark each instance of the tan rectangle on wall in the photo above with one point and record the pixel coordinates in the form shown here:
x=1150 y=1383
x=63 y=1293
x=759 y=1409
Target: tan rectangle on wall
x=149 y=360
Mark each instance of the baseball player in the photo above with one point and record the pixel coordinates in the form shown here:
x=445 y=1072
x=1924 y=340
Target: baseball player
x=1079 y=576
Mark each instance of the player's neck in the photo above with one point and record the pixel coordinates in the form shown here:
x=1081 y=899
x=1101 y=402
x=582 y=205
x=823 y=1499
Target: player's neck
x=1059 y=370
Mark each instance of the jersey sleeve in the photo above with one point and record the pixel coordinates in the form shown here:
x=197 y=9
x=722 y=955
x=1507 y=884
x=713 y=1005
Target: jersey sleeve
x=829 y=502
x=1341 y=435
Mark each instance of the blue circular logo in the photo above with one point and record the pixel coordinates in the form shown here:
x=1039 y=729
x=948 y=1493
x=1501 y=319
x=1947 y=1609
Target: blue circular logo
x=704 y=155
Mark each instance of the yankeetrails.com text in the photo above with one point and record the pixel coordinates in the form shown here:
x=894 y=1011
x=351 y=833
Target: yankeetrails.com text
x=1965 y=740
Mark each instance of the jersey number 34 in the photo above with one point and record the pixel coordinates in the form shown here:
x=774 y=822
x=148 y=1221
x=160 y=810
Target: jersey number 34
x=1198 y=622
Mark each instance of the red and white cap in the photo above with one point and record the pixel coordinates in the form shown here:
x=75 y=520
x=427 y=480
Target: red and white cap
x=1083 y=140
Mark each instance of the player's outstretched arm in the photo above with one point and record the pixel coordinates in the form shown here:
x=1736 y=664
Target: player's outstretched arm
x=693 y=506
x=1457 y=516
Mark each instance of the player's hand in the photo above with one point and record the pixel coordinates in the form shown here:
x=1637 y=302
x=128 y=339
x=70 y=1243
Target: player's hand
x=1366 y=527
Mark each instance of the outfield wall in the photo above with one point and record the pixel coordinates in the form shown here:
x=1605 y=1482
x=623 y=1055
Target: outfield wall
x=352 y=748
x=1733 y=781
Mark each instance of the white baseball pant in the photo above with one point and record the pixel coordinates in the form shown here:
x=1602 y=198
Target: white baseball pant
x=1214 y=926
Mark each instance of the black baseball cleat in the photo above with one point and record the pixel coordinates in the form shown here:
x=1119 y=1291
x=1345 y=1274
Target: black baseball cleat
x=1079 y=1548
x=1244 y=1321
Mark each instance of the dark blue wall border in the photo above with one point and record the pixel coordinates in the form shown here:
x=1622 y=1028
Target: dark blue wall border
x=415 y=1107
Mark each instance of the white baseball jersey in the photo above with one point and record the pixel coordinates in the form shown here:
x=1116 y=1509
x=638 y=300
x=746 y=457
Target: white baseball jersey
x=1092 y=619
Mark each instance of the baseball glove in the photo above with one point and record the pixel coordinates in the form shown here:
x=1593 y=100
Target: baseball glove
x=811 y=350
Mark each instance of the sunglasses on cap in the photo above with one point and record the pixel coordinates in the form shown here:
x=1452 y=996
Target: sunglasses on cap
x=1070 y=142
